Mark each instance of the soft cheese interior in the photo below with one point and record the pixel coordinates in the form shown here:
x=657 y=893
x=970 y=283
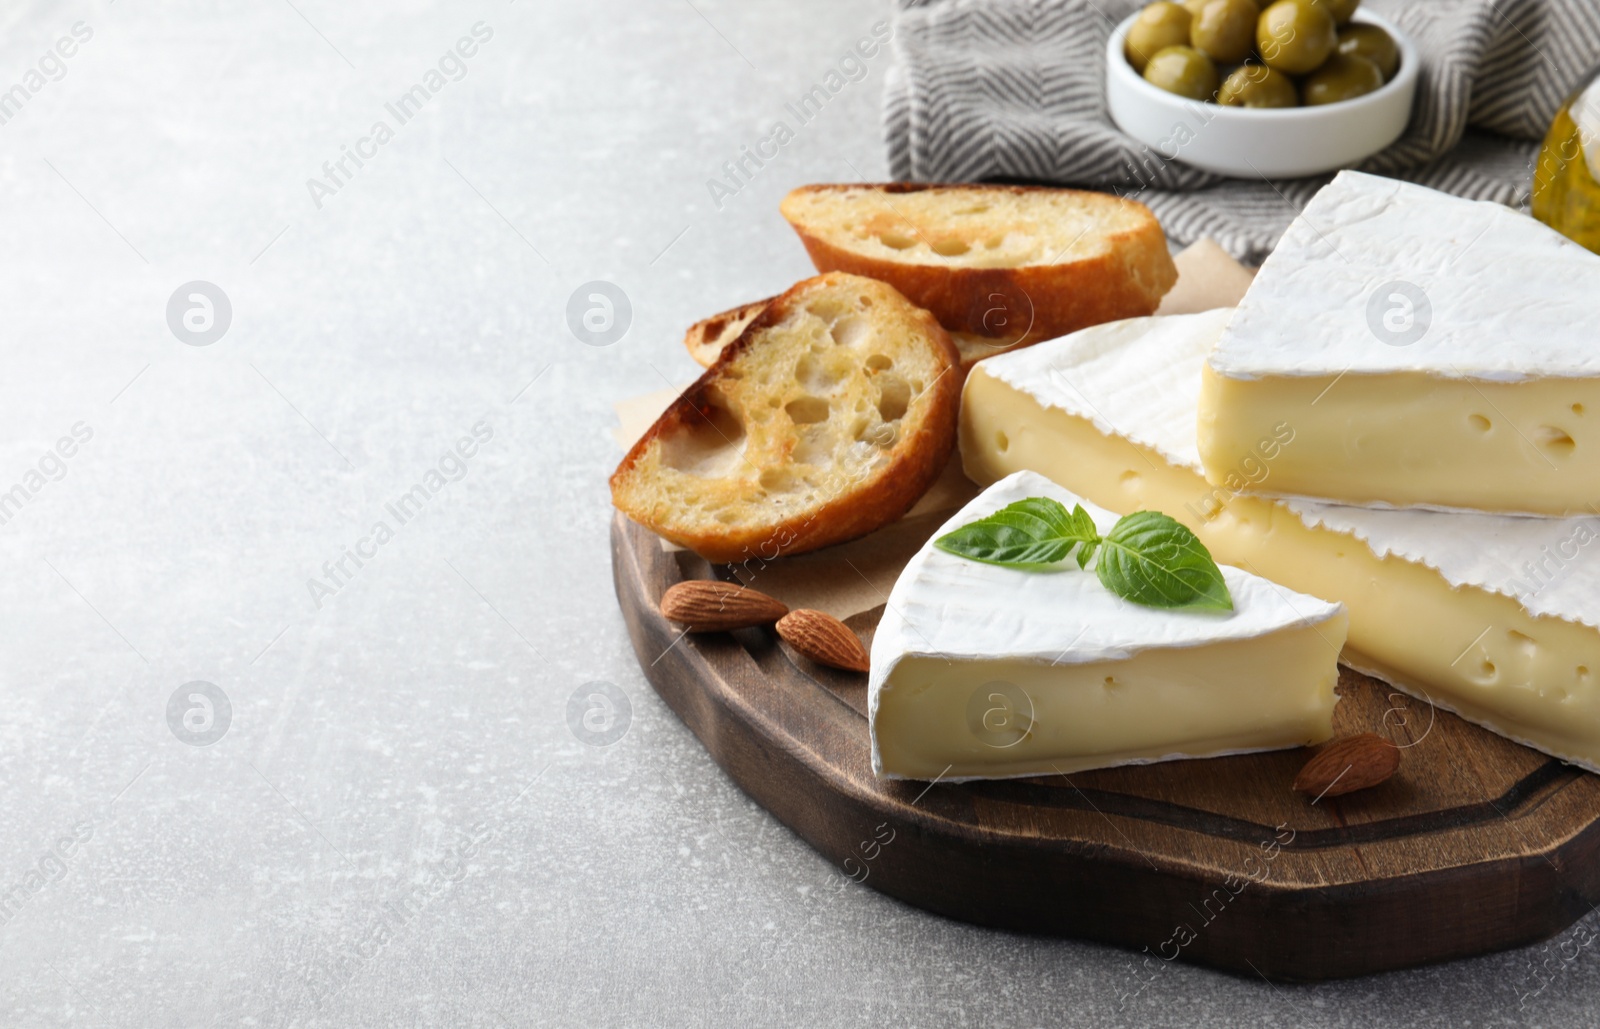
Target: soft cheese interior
x=1494 y=617
x=1427 y=350
x=980 y=671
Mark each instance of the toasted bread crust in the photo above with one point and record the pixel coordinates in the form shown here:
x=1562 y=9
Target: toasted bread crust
x=707 y=337
x=926 y=436
x=1027 y=303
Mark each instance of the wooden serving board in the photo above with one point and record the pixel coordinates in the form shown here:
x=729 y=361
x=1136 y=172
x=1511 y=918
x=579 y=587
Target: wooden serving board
x=1477 y=843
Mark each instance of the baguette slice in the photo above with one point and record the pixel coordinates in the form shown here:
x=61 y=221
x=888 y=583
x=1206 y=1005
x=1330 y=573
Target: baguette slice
x=828 y=417
x=706 y=338
x=1018 y=263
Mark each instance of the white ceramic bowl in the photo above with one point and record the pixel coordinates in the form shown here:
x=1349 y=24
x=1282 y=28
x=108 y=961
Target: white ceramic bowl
x=1254 y=142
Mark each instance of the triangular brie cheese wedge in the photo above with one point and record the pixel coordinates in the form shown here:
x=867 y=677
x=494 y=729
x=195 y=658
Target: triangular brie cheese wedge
x=1492 y=616
x=1424 y=350
x=985 y=672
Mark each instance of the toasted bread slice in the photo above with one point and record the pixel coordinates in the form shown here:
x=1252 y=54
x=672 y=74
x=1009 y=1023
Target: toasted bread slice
x=707 y=338
x=827 y=418
x=1017 y=263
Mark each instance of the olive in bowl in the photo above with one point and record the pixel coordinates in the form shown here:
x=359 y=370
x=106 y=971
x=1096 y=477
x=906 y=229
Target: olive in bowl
x=1295 y=37
x=1342 y=77
x=1342 y=10
x=1183 y=71
x=1256 y=85
x=1371 y=42
x=1157 y=27
x=1224 y=30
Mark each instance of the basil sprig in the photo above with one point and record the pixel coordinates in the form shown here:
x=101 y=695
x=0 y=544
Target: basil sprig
x=1147 y=557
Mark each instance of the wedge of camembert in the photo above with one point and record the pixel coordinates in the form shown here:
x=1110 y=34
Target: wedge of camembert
x=987 y=672
x=1427 y=351
x=1494 y=617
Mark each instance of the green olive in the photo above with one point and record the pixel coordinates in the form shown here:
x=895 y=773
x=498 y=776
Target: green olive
x=1340 y=9
x=1194 y=6
x=1344 y=77
x=1160 y=25
x=1295 y=37
x=1256 y=85
x=1184 y=71
x=1224 y=30
x=1374 y=44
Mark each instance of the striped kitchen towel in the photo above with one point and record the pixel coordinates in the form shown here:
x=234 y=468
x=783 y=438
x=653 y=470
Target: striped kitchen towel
x=1015 y=90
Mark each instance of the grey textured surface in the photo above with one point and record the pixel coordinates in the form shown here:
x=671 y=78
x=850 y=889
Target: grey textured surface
x=399 y=827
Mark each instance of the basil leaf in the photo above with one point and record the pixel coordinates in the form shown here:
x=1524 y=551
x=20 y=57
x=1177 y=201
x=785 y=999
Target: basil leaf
x=1030 y=533
x=1147 y=558
x=1151 y=559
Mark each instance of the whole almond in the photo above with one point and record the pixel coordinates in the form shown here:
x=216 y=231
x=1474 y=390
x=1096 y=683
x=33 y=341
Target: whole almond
x=824 y=639
x=1348 y=764
x=706 y=605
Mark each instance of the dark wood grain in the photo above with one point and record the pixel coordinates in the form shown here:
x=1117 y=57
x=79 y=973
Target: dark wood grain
x=1477 y=843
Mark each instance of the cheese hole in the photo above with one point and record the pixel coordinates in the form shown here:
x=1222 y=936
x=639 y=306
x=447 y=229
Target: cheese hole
x=896 y=240
x=1577 y=409
x=1002 y=442
x=1555 y=441
x=975 y=209
x=994 y=242
x=1111 y=682
x=879 y=362
x=951 y=247
x=807 y=410
x=1479 y=422
x=1487 y=669
x=1583 y=672
x=1128 y=478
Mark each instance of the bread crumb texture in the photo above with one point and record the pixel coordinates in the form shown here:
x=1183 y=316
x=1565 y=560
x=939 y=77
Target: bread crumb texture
x=828 y=417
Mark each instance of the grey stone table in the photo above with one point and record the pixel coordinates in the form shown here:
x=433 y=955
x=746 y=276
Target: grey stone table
x=303 y=534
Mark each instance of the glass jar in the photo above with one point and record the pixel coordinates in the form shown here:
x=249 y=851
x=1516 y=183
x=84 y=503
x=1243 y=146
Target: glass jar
x=1566 y=181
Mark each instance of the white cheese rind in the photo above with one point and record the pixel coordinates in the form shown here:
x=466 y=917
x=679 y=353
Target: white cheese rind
x=955 y=611
x=1135 y=378
x=954 y=608
x=1140 y=379
x=1547 y=564
x=1307 y=313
